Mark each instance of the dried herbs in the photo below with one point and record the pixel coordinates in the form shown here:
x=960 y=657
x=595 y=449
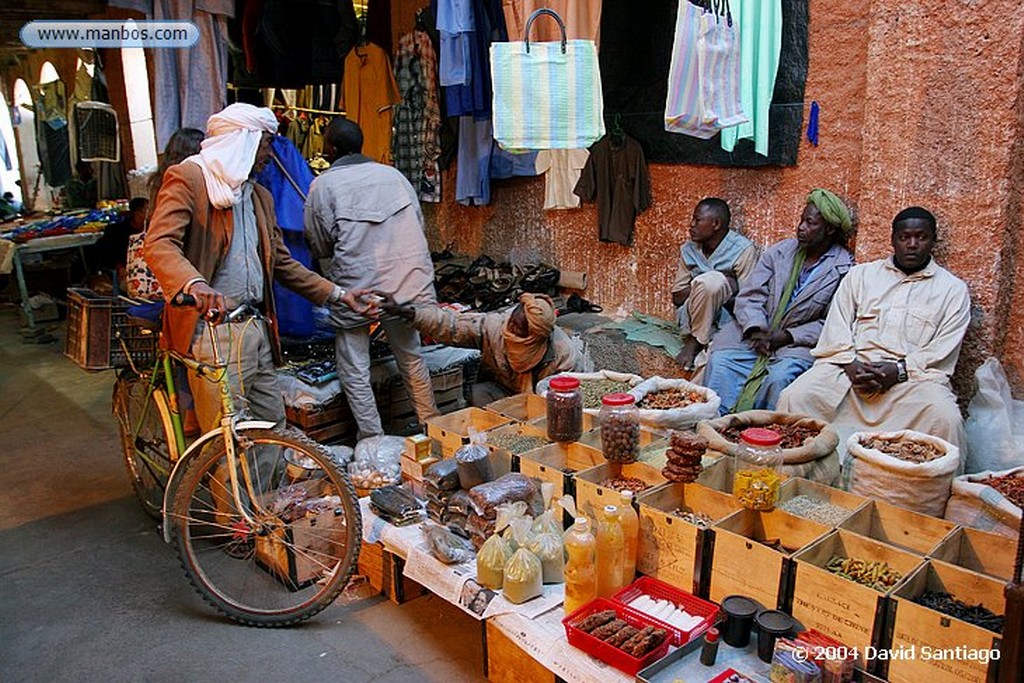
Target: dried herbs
x=877 y=575
x=593 y=389
x=669 y=399
x=979 y=615
x=904 y=449
x=516 y=443
x=793 y=436
x=815 y=509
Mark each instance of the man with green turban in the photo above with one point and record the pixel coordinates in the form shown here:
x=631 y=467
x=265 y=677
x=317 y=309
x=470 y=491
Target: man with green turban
x=781 y=308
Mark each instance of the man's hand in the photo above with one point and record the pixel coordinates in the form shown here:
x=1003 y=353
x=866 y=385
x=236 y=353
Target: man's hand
x=887 y=374
x=208 y=299
x=391 y=307
x=871 y=378
x=765 y=342
x=353 y=300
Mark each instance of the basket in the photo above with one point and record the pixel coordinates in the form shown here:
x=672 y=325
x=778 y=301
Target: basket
x=97 y=326
x=645 y=585
x=609 y=653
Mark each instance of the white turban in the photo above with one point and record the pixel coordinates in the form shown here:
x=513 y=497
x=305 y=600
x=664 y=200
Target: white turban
x=229 y=150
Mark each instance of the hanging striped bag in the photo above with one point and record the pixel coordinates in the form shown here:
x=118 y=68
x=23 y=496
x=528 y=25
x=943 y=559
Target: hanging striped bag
x=547 y=95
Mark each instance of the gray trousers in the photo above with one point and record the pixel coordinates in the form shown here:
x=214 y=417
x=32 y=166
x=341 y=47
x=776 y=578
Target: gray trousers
x=352 y=351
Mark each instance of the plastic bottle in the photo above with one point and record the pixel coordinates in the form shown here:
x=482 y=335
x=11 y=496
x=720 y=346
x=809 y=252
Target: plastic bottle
x=758 y=469
x=580 y=565
x=611 y=552
x=631 y=536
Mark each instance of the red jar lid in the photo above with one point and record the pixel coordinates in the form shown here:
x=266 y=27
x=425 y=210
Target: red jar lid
x=617 y=399
x=712 y=635
x=759 y=436
x=564 y=383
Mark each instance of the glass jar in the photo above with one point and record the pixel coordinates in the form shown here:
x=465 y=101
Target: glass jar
x=758 y=468
x=620 y=428
x=565 y=409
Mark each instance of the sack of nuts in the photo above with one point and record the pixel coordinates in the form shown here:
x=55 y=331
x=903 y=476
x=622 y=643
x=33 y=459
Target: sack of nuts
x=674 y=403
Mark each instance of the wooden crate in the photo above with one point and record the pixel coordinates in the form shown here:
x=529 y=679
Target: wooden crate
x=522 y=428
x=978 y=551
x=452 y=430
x=850 y=612
x=589 y=424
x=648 y=437
x=897 y=526
x=914 y=627
x=521 y=407
x=742 y=564
x=310 y=417
x=670 y=548
x=591 y=496
x=290 y=552
x=508 y=662
x=798 y=486
x=558 y=463
x=383 y=571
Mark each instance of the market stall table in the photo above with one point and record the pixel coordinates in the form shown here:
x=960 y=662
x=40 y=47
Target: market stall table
x=75 y=240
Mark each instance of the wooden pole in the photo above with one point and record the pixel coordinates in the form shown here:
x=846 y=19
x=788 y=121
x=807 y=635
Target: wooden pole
x=1011 y=660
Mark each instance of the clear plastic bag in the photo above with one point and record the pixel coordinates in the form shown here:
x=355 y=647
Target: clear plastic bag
x=442 y=475
x=995 y=423
x=490 y=562
x=474 y=461
x=446 y=546
x=547 y=522
x=547 y=547
x=506 y=515
x=377 y=462
x=524 y=573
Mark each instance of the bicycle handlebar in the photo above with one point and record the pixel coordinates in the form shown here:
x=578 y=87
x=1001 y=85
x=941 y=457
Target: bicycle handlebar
x=181 y=299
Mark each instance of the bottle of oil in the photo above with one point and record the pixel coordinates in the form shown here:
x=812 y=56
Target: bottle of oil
x=611 y=551
x=580 y=565
x=631 y=536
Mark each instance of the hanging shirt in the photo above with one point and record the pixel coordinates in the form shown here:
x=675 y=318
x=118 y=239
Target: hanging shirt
x=473 y=178
x=582 y=19
x=370 y=94
x=760 y=27
x=615 y=176
x=455 y=23
x=475 y=96
x=561 y=169
x=416 y=146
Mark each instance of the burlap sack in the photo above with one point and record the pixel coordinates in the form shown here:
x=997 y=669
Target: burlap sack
x=816 y=460
x=974 y=504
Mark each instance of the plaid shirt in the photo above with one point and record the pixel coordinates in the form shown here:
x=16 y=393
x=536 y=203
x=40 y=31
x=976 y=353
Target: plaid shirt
x=416 y=144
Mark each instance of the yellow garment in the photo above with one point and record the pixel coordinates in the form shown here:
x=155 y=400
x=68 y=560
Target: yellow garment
x=370 y=94
x=526 y=352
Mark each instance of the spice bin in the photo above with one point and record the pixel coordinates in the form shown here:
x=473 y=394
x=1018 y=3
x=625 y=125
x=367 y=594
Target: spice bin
x=515 y=439
x=660 y=590
x=521 y=407
x=978 y=551
x=914 y=627
x=602 y=650
x=591 y=495
x=558 y=464
x=848 y=611
x=824 y=504
x=897 y=526
x=452 y=430
x=752 y=551
x=672 y=548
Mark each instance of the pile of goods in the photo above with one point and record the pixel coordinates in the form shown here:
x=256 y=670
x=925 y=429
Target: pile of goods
x=877 y=575
x=684 y=457
x=793 y=435
x=815 y=509
x=979 y=615
x=440 y=483
x=625 y=484
x=667 y=612
x=669 y=399
x=593 y=390
x=1010 y=486
x=294 y=503
x=607 y=627
x=904 y=449
x=516 y=443
x=620 y=438
x=698 y=519
x=523 y=554
x=486 y=498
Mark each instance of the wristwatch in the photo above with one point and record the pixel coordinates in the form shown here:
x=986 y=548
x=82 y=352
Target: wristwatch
x=901 y=371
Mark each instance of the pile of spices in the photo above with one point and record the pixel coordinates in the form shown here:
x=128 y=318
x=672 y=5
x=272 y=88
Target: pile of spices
x=593 y=389
x=904 y=449
x=793 y=436
x=1010 y=486
x=516 y=443
x=979 y=615
x=877 y=575
x=698 y=519
x=625 y=484
x=815 y=509
x=668 y=399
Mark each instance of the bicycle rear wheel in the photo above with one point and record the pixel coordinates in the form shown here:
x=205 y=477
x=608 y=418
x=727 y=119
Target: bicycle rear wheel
x=301 y=547
x=143 y=419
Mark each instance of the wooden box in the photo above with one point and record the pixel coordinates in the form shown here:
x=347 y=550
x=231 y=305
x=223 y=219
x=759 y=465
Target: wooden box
x=670 y=548
x=920 y=632
x=290 y=553
x=413 y=469
x=521 y=407
x=742 y=563
x=798 y=486
x=515 y=428
x=897 y=526
x=452 y=430
x=558 y=463
x=852 y=613
x=978 y=551
x=589 y=423
x=383 y=571
x=591 y=496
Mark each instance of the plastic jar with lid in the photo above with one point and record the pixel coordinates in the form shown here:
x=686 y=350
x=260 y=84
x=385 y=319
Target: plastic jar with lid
x=620 y=428
x=758 y=468
x=565 y=409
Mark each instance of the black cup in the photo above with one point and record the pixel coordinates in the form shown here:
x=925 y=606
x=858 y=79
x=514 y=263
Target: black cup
x=739 y=612
x=771 y=624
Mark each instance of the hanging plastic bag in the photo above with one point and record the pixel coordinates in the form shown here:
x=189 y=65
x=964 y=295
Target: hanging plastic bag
x=547 y=547
x=995 y=423
x=704 y=77
x=474 y=461
x=524 y=573
x=547 y=522
x=490 y=562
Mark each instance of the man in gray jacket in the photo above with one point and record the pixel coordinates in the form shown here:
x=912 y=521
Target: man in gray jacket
x=365 y=217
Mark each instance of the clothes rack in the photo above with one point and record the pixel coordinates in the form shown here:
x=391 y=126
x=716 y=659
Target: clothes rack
x=307 y=110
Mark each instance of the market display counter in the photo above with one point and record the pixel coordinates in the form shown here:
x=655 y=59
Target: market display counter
x=78 y=240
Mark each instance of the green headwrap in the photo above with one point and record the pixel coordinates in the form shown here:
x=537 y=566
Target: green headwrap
x=832 y=209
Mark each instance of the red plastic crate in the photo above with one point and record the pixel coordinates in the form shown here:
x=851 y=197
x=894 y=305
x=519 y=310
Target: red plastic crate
x=646 y=585
x=609 y=653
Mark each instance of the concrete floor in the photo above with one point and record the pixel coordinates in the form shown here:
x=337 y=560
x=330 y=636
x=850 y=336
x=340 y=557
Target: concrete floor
x=89 y=591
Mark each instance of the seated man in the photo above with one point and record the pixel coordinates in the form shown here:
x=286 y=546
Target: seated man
x=711 y=265
x=890 y=343
x=518 y=347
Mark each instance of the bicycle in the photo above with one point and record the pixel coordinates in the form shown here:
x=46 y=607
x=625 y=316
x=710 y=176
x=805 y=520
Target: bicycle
x=267 y=527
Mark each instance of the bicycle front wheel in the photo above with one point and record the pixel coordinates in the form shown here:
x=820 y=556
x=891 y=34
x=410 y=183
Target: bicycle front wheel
x=144 y=421
x=291 y=547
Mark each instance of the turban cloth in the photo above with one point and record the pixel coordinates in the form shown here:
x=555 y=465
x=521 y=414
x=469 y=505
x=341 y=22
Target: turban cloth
x=832 y=209
x=525 y=352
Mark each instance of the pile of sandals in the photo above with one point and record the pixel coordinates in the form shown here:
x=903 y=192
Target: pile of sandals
x=487 y=285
